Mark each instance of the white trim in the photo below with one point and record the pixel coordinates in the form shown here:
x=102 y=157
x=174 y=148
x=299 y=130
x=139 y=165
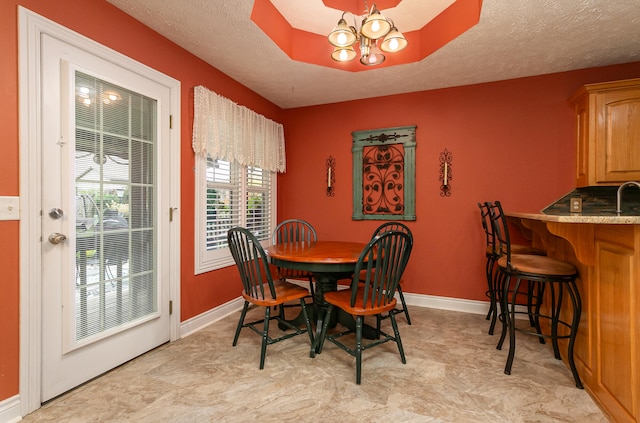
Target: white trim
x=203 y=320
x=455 y=304
x=31 y=27
x=447 y=303
x=10 y=410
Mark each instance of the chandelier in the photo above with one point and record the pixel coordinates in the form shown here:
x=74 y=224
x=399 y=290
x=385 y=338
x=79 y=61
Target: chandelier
x=376 y=35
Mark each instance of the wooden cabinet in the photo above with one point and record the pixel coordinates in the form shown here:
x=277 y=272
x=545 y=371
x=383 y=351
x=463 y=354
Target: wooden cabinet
x=608 y=133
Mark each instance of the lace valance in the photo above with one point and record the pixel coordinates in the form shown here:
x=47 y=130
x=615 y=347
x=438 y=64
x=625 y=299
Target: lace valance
x=228 y=131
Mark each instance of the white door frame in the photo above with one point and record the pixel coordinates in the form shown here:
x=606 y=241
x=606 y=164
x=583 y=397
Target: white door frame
x=31 y=27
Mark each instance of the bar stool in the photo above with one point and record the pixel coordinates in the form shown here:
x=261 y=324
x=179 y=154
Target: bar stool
x=493 y=254
x=541 y=273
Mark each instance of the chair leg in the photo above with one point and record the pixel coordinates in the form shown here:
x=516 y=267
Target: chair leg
x=512 y=328
x=326 y=317
x=503 y=282
x=265 y=336
x=396 y=334
x=358 y=350
x=303 y=305
x=555 y=317
x=575 y=322
x=240 y=322
x=494 y=283
x=404 y=305
x=536 y=310
x=492 y=297
x=530 y=292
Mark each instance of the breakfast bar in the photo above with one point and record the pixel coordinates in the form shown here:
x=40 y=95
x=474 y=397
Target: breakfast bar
x=605 y=247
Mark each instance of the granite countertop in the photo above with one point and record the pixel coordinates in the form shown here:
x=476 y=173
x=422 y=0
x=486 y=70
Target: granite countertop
x=580 y=218
x=598 y=206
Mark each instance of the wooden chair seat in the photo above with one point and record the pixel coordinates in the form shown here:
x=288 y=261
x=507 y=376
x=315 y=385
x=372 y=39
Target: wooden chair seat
x=285 y=291
x=342 y=299
x=538 y=265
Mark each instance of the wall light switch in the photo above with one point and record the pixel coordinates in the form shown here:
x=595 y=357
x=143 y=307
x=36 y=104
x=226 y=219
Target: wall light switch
x=576 y=205
x=9 y=208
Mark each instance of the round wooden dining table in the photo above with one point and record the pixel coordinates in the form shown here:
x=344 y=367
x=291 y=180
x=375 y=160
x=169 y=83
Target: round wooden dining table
x=329 y=261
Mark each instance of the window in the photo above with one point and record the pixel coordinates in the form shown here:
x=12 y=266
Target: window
x=228 y=195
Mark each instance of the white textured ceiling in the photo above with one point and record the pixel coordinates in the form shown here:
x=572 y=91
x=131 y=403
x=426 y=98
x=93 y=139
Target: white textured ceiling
x=514 y=38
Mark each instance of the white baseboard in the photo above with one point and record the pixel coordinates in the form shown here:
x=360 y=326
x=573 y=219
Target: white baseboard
x=443 y=303
x=205 y=319
x=10 y=410
x=447 y=303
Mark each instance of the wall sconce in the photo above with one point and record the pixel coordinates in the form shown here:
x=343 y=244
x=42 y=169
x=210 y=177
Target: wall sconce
x=331 y=176
x=445 y=173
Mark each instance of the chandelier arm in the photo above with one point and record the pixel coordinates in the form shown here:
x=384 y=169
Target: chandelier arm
x=355 y=23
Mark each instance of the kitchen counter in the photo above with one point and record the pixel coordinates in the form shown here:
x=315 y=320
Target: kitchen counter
x=602 y=218
x=605 y=248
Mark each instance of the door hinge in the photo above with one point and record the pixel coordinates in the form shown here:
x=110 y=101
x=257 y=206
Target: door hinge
x=170 y=307
x=170 y=121
x=171 y=210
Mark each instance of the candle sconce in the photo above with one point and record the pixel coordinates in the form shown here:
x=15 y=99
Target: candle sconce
x=445 y=173
x=331 y=176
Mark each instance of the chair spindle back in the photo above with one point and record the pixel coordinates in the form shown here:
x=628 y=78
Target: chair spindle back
x=380 y=267
x=251 y=261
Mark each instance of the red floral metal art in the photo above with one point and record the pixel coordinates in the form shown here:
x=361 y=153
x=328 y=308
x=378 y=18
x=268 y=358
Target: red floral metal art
x=383 y=179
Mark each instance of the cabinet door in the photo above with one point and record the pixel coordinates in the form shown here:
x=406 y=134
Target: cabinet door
x=618 y=136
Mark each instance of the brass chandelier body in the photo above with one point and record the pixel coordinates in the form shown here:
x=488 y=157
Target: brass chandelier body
x=377 y=34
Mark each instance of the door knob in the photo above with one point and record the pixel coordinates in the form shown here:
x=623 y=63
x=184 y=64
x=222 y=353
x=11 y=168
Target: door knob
x=56 y=238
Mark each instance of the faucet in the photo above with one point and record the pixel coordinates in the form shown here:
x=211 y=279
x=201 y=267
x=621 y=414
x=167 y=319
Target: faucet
x=619 y=194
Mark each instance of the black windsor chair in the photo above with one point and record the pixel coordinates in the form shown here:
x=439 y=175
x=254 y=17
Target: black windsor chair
x=260 y=289
x=294 y=230
x=381 y=263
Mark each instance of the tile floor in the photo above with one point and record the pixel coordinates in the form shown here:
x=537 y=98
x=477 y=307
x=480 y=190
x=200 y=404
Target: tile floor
x=453 y=374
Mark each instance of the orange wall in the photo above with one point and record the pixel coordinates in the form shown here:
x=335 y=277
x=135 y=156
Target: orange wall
x=97 y=20
x=511 y=141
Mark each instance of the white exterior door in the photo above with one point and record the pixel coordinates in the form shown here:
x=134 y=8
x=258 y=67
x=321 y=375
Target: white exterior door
x=105 y=246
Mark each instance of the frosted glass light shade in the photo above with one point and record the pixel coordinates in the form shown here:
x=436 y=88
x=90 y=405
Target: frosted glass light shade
x=375 y=57
x=375 y=26
x=342 y=35
x=343 y=54
x=394 y=41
